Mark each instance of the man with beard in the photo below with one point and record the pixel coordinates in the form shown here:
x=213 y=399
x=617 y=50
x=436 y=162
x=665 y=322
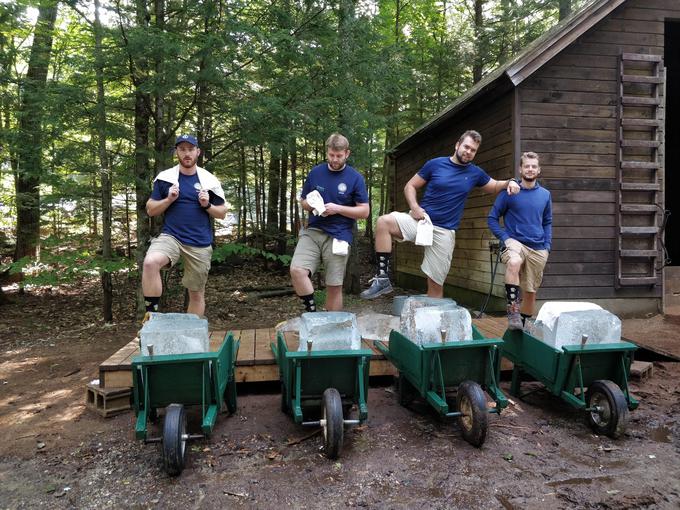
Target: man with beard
x=448 y=181
x=527 y=235
x=189 y=196
x=335 y=195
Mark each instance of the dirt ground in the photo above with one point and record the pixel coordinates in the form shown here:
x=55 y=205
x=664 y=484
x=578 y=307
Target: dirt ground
x=538 y=454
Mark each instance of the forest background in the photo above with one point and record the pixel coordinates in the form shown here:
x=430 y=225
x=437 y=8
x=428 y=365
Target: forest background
x=93 y=93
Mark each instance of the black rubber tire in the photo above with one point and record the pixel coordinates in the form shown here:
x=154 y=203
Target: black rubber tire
x=174 y=444
x=474 y=422
x=333 y=429
x=611 y=417
x=405 y=390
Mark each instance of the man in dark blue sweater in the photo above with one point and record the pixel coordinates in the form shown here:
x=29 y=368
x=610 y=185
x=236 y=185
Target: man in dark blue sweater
x=527 y=235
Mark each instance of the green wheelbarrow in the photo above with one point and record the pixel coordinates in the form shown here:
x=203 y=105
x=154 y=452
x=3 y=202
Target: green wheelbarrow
x=428 y=370
x=325 y=384
x=593 y=378
x=205 y=380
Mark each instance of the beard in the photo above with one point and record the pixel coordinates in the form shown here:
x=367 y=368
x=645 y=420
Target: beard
x=188 y=162
x=530 y=179
x=460 y=156
x=336 y=166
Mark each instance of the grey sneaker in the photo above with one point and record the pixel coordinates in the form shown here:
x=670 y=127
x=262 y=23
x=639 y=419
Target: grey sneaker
x=514 y=317
x=379 y=287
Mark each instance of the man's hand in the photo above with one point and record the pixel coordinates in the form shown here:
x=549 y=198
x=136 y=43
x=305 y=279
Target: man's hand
x=513 y=188
x=331 y=209
x=203 y=197
x=173 y=193
x=418 y=213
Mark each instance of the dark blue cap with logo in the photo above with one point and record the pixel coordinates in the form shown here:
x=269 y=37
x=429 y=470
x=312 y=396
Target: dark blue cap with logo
x=186 y=138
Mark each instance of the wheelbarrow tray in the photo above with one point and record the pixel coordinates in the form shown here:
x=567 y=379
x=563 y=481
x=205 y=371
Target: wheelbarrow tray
x=432 y=368
x=569 y=371
x=203 y=379
x=306 y=375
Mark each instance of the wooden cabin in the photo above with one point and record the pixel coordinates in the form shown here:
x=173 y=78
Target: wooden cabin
x=597 y=97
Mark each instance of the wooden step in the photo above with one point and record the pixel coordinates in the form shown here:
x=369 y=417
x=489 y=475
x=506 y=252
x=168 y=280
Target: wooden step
x=634 y=78
x=641 y=370
x=639 y=57
x=107 y=401
x=638 y=254
x=638 y=281
x=638 y=208
x=641 y=122
x=644 y=165
x=640 y=186
x=640 y=101
x=641 y=143
x=639 y=231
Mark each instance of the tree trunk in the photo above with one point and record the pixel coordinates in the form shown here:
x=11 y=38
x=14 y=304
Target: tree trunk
x=142 y=168
x=283 y=191
x=107 y=287
x=564 y=8
x=29 y=170
x=273 y=192
x=478 y=66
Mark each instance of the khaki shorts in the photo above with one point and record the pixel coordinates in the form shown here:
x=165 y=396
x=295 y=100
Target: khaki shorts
x=437 y=259
x=533 y=263
x=196 y=259
x=315 y=246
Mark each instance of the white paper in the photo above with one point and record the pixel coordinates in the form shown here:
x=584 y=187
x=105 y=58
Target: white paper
x=340 y=247
x=424 y=232
x=315 y=200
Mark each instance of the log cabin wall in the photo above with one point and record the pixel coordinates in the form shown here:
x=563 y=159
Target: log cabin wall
x=568 y=114
x=469 y=276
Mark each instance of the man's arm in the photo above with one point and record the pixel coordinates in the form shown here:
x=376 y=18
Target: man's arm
x=497 y=211
x=547 y=224
x=411 y=194
x=494 y=186
x=356 y=212
x=157 y=207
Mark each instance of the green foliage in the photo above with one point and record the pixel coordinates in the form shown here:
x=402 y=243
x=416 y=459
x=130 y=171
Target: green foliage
x=65 y=264
x=224 y=251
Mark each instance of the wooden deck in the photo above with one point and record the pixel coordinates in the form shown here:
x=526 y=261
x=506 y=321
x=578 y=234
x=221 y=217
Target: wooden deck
x=255 y=361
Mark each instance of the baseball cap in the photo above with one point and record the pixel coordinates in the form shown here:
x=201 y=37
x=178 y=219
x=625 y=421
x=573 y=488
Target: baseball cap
x=186 y=138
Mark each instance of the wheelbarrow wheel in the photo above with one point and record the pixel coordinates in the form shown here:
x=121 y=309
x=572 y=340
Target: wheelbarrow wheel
x=608 y=410
x=332 y=423
x=174 y=439
x=405 y=390
x=473 y=421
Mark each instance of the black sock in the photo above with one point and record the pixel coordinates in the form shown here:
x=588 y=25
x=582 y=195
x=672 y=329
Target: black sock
x=525 y=316
x=383 y=264
x=310 y=305
x=151 y=303
x=512 y=292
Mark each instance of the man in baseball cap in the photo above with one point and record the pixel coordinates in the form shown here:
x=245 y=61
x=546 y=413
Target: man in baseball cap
x=188 y=196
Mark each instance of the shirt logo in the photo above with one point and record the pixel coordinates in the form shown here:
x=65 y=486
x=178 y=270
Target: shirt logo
x=197 y=186
x=342 y=187
x=320 y=189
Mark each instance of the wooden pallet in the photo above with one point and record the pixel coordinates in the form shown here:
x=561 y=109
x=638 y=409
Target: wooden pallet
x=255 y=361
x=107 y=402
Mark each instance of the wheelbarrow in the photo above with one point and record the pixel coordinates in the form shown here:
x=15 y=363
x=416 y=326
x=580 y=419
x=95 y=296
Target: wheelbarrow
x=173 y=381
x=325 y=384
x=593 y=378
x=428 y=370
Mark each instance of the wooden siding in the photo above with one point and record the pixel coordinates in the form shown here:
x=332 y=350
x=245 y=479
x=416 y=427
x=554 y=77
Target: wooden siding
x=568 y=116
x=470 y=268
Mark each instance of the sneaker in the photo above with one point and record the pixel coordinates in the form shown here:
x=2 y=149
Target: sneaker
x=380 y=286
x=514 y=317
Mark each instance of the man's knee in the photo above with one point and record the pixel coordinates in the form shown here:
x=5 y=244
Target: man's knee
x=155 y=261
x=298 y=272
x=514 y=264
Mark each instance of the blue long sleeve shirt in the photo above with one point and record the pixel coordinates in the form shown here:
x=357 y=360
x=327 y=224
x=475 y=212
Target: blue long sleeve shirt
x=527 y=217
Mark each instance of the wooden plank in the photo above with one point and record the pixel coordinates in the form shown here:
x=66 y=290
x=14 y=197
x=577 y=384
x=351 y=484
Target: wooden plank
x=606 y=292
x=639 y=281
x=641 y=143
x=634 y=78
x=639 y=253
x=638 y=208
x=639 y=231
x=246 y=351
x=650 y=165
x=641 y=58
x=491 y=327
x=120 y=378
x=263 y=351
x=640 y=186
x=636 y=100
x=256 y=373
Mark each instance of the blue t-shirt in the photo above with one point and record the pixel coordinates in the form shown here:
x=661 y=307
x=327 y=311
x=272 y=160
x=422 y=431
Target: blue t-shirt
x=185 y=219
x=344 y=187
x=527 y=217
x=448 y=186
